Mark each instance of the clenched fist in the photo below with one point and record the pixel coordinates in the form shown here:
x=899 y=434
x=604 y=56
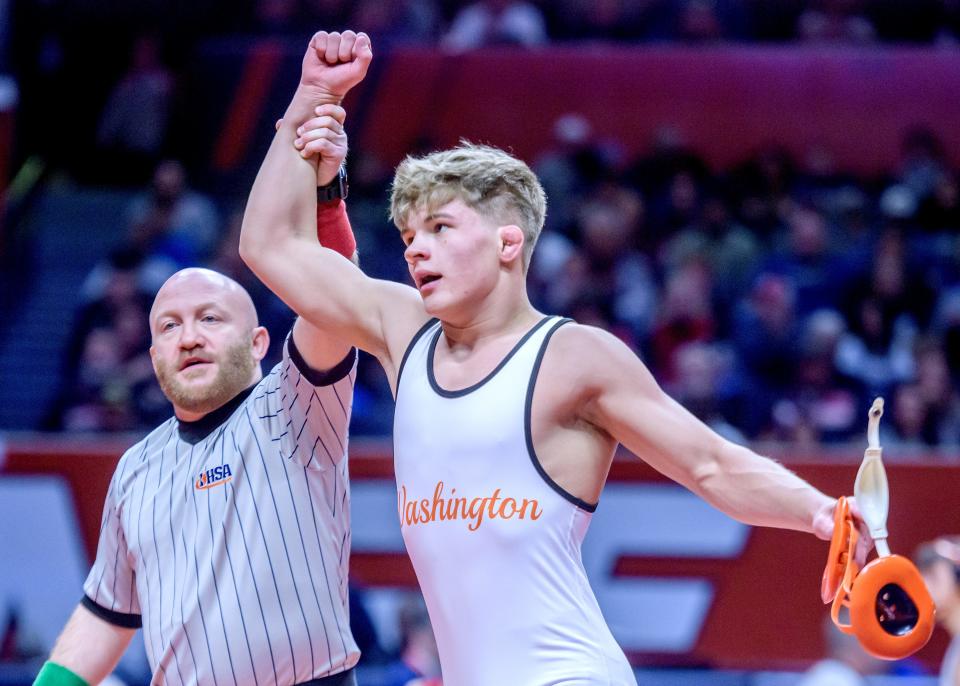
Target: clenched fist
x=334 y=63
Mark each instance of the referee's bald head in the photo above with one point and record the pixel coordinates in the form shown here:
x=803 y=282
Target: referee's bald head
x=234 y=296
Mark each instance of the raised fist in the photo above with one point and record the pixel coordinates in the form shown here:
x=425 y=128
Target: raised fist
x=334 y=63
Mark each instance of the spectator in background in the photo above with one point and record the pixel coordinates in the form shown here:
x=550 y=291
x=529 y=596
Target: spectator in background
x=699 y=22
x=899 y=288
x=806 y=259
x=686 y=315
x=677 y=207
x=836 y=21
x=133 y=126
x=174 y=221
x=938 y=394
x=570 y=168
x=948 y=32
x=885 y=308
x=5 y=15
x=876 y=352
x=820 y=404
x=939 y=563
x=603 y=269
x=702 y=385
x=418 y=662
x=716 y=238
x=398 y=22
x=922 y=162
x=655 y=175
x=946 y=325
x=495 y=22
x=276 y=16
x=362 y=627
x=766 y=333
x=763 y=186
x=332 y=13
x=939 y=211
x=908 y=431
x=107 y=372
x=619 y=20
x=106 y=393
x=849 y=211
x=845 y=664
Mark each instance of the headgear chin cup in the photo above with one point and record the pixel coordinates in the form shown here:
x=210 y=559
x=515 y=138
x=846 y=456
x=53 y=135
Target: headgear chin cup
x=890 y=610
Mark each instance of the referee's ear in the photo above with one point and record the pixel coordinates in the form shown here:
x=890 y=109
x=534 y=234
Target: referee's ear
x=260 y=342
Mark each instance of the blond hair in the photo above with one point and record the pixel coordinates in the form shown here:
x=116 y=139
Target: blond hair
x=485 y=178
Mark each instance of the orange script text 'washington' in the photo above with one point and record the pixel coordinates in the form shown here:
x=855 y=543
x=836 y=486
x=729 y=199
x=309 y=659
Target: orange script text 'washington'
x=441 y=508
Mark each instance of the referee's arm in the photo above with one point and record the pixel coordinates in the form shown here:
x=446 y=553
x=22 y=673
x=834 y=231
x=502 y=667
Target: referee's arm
x=319 y=350
x=89 y=647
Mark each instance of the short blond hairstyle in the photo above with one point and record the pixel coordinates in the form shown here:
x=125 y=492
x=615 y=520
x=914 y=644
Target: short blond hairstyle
x=487 y=179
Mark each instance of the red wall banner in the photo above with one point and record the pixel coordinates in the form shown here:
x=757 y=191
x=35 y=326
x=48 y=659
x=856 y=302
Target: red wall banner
x=725 y=102
x=765 y=610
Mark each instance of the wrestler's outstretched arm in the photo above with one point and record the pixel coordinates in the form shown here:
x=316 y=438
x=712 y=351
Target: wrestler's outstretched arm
x=278 y=239
x=621 y=397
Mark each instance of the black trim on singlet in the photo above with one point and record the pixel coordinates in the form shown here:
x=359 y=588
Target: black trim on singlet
x=470 y=389
x=123 y=619
x=527 y=423
x=413 y=341
x=194 y=432
x=321 y=377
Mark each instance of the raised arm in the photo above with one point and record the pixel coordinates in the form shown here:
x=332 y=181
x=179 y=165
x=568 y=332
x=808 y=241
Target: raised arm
x=278 y=239
x=89 y=647
x=624 y=400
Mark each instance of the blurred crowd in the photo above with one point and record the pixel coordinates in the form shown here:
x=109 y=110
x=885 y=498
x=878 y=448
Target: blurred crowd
x=462 y=25
x=459 y=25
x=141 y=53
x=123 y=66
x=774 y=299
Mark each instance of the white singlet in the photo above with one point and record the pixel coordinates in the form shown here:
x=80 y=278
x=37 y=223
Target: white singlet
x=494 y=541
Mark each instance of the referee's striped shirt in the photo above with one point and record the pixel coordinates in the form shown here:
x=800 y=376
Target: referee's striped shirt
x=228 y=538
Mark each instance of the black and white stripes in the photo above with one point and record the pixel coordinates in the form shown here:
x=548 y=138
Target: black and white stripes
x=231 y=536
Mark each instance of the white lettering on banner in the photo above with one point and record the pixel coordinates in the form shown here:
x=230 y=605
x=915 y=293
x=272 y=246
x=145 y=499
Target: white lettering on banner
x=40 y=534
x=41 y=537
x=644 y=520
x=375 y=527
x=656 y=520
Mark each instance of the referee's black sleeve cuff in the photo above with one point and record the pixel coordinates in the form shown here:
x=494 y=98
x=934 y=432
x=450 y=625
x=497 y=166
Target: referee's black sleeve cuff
x=321 y=377
x=127 y=621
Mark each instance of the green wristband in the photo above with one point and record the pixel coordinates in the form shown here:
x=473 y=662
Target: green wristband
x=53 y=674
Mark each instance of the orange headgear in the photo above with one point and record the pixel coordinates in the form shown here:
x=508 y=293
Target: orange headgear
x=890 y=609
x=891 y=612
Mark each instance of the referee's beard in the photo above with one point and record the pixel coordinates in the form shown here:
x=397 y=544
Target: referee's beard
x=235 y=371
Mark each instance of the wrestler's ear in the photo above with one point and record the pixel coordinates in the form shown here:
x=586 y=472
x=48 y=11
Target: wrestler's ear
x=510 y=243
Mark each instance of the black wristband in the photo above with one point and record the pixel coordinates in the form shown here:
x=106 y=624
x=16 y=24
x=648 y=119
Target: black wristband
x=336 y=189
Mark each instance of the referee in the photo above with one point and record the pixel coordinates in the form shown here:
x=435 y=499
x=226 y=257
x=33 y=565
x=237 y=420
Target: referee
x=225 y=532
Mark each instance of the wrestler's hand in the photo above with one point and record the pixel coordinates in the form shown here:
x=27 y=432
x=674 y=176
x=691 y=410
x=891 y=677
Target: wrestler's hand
x=823 y=528
x=334 y=63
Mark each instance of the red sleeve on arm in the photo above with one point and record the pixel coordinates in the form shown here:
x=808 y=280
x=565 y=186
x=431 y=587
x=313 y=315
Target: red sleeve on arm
x=333 y=228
